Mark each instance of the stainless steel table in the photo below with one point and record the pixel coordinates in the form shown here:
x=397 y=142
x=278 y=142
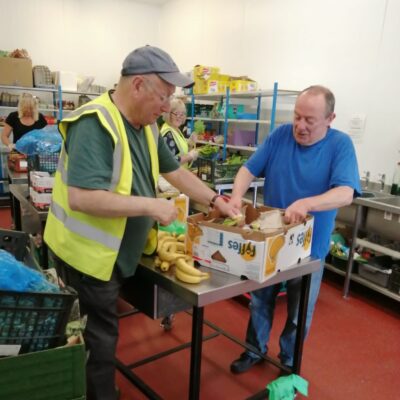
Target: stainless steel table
x=221 y=286
x=17 y=177
x=20 y=196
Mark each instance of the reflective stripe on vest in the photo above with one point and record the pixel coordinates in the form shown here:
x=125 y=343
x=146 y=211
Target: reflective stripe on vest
x=86 y=242
x=179 y=139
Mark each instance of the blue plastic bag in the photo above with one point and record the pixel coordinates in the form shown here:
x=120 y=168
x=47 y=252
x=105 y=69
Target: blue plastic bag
x=40 y=141
x=17 y=277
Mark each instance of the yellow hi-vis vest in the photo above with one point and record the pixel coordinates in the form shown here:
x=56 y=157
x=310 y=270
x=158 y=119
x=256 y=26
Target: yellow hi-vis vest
x=180 y=140
x=89 y=243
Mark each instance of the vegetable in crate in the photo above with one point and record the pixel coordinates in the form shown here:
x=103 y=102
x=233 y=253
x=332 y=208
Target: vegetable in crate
x=208 y=151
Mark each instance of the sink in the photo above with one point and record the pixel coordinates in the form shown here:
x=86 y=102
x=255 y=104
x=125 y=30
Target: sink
x=368 y=194
x=392 y=201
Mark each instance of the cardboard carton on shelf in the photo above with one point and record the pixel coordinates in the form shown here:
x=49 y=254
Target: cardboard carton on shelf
x=40 y=200
x=41 y=181
x=16 y=72
x=247 y=253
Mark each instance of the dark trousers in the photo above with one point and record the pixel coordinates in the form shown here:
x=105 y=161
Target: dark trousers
x=97 y=300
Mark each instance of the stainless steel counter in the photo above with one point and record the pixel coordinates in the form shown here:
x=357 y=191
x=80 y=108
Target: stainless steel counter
x=380 y=201
x=17 y=177
x=221 y=285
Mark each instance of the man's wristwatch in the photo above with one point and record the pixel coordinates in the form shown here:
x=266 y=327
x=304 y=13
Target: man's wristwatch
x=213 y=200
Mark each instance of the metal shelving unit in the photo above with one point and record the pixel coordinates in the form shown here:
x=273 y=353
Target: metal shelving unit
x=228 y=97
x=57 y=95
x=357 y=278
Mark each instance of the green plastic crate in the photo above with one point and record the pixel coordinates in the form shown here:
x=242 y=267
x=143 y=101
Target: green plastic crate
x=55 y=374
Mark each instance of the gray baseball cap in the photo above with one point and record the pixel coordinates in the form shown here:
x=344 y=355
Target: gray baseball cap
x=152 y=60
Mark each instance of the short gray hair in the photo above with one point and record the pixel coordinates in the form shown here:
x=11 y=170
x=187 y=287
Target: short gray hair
x=329 y=97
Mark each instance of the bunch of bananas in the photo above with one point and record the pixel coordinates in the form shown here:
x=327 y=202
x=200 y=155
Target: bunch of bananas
x=171 y=252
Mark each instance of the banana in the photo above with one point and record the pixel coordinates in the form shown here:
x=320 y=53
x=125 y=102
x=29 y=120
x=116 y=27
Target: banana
x=182 y=276
x=165 y=266
x=188 y=269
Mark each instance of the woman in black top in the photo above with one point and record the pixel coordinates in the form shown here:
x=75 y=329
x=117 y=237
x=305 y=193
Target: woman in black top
x=20 y=122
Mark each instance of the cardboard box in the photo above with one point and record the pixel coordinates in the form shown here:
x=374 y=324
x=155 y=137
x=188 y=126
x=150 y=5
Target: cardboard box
x=16 y=72
x=40 y=200
x=203 y=72
x=247 y=253
x=68 y=80
x=242 y=84
x=41 y=181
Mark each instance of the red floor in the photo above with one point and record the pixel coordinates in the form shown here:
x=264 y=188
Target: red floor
x=352 y=353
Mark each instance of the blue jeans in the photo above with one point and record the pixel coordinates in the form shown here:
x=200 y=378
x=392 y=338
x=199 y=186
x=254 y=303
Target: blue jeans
x=262 y=308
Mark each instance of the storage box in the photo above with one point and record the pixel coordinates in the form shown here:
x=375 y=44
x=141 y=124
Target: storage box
x=68 y=80
x=33 y=321
x=247 y=253
x=204 y=72
x=46 y=375
x=46 y=162
x=40 y=200
x=240 y=137
x=213 y=171
x=394 y=280
x=15 y=242
x=16 y=72
x=17 y=162
x=41 y=181
x=242 y=85
x=377 y=270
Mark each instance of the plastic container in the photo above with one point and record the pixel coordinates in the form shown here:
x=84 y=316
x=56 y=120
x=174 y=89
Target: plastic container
x=240 y=137
x=14 y=242
x=46 y=375
x=377 y=270
x=34 y=320
x=213 y=171
x=394 y=280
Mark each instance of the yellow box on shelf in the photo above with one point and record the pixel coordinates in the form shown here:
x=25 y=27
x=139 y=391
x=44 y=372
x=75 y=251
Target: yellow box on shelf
x=243 y=85
x=204 y=73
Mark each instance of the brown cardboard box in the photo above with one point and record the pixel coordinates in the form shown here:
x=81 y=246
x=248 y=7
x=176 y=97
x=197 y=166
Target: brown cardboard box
x=16 y=72
x=243 y=252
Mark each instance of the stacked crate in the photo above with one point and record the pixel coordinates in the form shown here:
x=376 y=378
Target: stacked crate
x=41 y=178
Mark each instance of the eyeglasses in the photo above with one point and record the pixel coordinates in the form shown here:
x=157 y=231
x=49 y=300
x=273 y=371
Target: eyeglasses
x=164 y=99
x=178 y=114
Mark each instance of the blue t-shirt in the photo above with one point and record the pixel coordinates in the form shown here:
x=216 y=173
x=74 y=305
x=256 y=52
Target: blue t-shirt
x=293 y=171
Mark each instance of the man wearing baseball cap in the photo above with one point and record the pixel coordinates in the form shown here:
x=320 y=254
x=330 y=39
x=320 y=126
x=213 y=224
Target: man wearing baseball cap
x=104 y=210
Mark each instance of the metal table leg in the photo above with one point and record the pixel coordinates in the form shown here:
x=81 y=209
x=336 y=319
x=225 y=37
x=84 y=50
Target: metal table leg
x=195 y=356
x=349 y=267
x=16 y=207
x=301 y=323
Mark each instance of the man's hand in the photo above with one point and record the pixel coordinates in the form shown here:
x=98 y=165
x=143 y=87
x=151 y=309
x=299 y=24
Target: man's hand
x=165 y=212
x=227 y=207
x=296 y=212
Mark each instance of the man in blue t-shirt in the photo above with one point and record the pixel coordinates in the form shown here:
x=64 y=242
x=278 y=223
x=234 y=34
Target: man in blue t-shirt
x=308 y=168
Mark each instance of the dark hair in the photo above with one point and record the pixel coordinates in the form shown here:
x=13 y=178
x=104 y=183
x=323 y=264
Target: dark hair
x=329 y=97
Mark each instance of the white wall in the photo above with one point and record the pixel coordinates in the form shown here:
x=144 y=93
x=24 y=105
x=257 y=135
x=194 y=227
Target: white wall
x=350 y=46
x=90 y=37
